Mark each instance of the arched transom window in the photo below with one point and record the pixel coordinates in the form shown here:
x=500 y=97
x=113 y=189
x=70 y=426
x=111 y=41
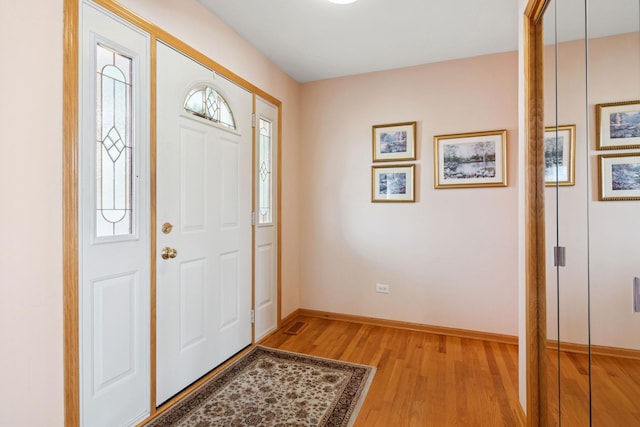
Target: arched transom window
x=204 y=101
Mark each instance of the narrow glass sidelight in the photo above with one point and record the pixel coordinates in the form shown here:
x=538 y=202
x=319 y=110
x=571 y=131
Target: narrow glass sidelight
x=114 y=148
x=265 y=181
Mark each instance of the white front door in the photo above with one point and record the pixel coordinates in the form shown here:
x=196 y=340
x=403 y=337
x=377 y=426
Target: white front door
x=204 y=192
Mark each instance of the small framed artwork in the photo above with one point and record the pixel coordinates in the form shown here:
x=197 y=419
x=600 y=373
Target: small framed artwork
x=393 y=183
x=619 y=176
x=559 y=155
x=618 y=125
x=470 y=160
x=394 y=142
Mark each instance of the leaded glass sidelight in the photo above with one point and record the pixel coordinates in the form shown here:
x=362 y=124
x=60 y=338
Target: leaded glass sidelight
x=204 y=101
x=265 y=184
x=114 y=148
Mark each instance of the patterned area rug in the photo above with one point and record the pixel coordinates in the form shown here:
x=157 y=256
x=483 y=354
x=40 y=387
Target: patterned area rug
x=268 y=387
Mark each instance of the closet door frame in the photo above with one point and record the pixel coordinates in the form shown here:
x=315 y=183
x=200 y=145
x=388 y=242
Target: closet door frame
x=534 y=186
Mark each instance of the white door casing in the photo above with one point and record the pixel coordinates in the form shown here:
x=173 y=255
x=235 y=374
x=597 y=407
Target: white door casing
x=113 y=269
x=266 y=232
x=203 y=175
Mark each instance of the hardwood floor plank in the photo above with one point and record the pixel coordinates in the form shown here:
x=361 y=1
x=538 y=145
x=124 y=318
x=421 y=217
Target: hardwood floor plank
x=615 y=390
x=422 y=379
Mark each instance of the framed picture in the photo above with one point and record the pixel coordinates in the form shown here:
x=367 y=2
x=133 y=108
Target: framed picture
x=393 y=183
x=395 y=142
x=470 y=160
x=618 y=125
x=559 y=155
x=619 y=176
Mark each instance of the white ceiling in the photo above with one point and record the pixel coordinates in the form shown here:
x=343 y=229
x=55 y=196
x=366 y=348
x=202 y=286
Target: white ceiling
x=314 y=39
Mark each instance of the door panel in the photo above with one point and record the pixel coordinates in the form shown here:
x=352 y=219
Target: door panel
x=193 y=183
x=266 y=234
x=204 y=191
x=230 y=183
x=113 y=327
x=192 y=299
x=229 y=292
x=114 y=273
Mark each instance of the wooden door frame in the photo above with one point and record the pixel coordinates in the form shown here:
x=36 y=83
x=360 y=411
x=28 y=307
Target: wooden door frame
x=70 y=202
x=535 y=280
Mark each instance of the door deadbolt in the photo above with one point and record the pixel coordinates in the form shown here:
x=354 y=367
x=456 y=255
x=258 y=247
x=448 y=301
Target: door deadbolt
x=167 y=227
x=168 y=252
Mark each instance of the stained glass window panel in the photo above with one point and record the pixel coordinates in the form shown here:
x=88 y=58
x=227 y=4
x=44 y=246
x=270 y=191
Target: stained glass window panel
x=205 y=102
x=265 y=164
x=114 y=145
x=194 y=103
x=226 y=116
x=212 y=104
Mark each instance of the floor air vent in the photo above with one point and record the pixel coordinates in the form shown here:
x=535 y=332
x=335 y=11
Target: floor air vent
x=296 y=328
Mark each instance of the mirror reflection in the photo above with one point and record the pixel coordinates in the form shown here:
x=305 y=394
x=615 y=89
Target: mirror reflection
x=592 y=85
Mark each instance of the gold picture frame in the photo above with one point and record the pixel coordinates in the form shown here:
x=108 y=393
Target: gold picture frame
x=619 y=176
x=618 y=125
x=393 y=183
x=476 y=159
x=394 y=142
x=559 y=155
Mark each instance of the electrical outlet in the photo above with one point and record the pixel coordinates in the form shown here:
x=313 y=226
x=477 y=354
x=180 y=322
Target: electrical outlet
x=382 y=288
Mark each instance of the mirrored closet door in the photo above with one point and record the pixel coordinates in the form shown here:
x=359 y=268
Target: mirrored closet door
x=592 y=211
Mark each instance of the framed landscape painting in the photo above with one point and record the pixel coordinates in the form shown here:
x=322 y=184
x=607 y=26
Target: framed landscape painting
x=394 y=142
x=619 y=176
x=559 y=155
x=393 y=183
x=618 y=125
x=470 y=160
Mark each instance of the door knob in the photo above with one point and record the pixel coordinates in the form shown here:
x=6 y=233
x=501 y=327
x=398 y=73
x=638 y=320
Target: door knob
x=168 y=252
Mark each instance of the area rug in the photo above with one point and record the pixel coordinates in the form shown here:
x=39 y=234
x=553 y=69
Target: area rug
x=268 y=387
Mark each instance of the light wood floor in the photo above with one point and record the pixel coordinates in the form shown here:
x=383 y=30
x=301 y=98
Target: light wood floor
x=422 y=379
x=615 y=390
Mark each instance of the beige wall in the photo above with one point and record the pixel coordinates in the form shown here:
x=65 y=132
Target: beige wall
x=613 y=227
x=521 y=254
x=31 y=213
x=451 y=257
